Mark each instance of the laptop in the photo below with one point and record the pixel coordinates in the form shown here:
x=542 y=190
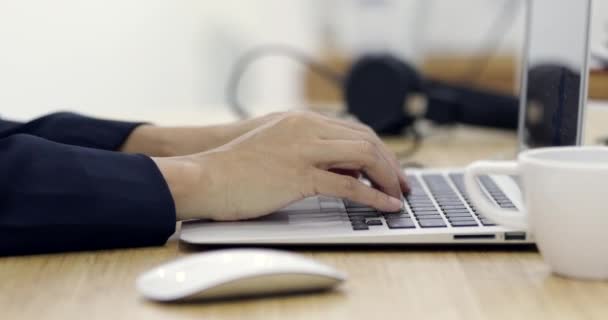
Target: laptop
x=438 y=209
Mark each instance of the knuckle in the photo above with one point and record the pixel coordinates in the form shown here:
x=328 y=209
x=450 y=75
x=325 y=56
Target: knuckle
x=366 y=147
x=370 y=152
x=362 y=155
x=290 y=119
x=296 y=118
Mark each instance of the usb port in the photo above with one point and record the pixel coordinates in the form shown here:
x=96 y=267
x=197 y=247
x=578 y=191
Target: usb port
x=515 y=236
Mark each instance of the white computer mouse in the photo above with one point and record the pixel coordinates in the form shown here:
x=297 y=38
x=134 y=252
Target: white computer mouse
x=236 y=273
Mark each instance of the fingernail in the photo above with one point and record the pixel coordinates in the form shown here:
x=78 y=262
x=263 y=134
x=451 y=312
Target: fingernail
x=396 y=203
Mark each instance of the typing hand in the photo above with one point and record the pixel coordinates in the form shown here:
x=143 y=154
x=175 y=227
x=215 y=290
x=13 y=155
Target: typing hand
x=291 y=157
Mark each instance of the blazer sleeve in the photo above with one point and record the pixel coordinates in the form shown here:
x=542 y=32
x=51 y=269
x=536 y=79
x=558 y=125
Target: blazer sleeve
x=74 y=129
x=59 y=197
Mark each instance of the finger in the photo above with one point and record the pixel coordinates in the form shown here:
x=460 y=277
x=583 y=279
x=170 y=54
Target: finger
x=373 y=137
x=361 y=156
x=335 y=185
x=357 y=155
x=340 y=132
x=369 y=134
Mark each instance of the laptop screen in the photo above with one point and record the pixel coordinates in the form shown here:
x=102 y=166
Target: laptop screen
x=555 y=73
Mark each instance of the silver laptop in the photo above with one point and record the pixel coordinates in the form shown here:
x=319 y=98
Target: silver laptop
x=438 y=210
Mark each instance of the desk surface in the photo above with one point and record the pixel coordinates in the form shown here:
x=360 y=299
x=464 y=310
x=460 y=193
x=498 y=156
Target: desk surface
x=401 y=283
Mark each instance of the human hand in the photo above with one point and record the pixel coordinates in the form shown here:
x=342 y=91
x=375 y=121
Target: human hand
x=291 y=157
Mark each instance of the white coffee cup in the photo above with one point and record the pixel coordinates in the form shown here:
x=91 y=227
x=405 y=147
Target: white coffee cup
x=565 y=191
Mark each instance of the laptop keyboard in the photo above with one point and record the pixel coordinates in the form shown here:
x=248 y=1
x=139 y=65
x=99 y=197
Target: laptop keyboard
x=444 y=204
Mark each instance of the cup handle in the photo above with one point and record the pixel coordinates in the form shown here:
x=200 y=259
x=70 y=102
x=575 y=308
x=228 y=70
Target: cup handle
x=508 y=218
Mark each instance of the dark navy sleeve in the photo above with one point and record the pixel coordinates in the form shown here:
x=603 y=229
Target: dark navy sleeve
x=59 y=197
x=74 y=129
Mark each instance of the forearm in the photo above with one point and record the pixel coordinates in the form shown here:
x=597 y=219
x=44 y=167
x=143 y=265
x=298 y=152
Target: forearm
x=157 y=141
x=149 y=140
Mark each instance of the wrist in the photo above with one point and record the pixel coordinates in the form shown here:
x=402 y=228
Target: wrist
x=182 y=177
x=150 y=140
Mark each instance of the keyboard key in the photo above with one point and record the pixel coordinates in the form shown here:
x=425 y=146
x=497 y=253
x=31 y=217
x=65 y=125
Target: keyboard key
x=421 y=204
x=353 y=218
x=454 y=207
x=395 y=215
x=431 y=223
x=416 y=192
x=458 y=215
x=461 y=218
x=404 y=223
x=417 y=197
x=447 y=196
x=418 y=207
x=450 y=203
x=448 y=211
x=396 y=212
x=374 y=222
x=427 y=213
x=467 y=223
x=426 y=210
x=357 y=219
x=359 y=227
x=433 y=217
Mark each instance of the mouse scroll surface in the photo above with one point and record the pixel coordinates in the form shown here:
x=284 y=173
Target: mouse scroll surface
x=235 y=272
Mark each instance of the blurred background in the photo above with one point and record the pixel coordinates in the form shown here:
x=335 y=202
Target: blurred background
x=140 y=59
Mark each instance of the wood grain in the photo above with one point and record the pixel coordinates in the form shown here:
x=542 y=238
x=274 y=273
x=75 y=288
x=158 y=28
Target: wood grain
x=397 y=283
x=500 y=74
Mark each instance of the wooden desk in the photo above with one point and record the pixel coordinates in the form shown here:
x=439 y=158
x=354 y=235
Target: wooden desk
x=402 y=283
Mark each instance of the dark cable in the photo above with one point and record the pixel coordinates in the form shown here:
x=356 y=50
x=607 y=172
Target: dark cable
x=411 y=150
x=332 y=76
x=243 y=63
x=493 y=39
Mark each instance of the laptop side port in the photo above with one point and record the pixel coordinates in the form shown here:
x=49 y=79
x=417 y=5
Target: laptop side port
x=514 y=236
x=474 y=236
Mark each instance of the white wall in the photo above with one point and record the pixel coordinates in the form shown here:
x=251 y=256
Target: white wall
x=459 y=26
x=146 y=56
x=138 y=54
